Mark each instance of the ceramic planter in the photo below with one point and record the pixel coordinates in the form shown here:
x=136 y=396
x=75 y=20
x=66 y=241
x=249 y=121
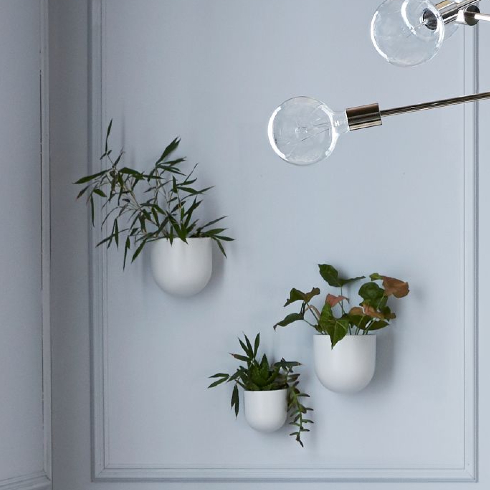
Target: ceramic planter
x=180 y=268
x=349 y=366
x=266 y=411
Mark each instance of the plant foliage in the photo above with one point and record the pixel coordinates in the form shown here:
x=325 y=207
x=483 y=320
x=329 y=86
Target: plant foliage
x=260 y=375
x=140 y=207
x=373 y=312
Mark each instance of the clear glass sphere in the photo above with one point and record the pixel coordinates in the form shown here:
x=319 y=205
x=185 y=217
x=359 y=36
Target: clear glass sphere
x=407 y=32
x=304 y=131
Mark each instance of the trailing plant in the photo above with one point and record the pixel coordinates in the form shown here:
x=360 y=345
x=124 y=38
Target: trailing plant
x=335 y=318
x=144 y=207
x=261 y=375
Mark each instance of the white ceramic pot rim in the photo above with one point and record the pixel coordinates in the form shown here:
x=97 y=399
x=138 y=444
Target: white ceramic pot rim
x=176 y=238
x=265 y=391
x=348 y=335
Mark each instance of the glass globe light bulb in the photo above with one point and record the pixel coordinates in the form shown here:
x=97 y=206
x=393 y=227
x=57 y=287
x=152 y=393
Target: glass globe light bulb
x=408 y=32
x=304 y=131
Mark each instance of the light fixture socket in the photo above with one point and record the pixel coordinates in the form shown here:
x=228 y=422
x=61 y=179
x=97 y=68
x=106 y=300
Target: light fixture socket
x=468 y=16
x=364 y=116
x=452 y=11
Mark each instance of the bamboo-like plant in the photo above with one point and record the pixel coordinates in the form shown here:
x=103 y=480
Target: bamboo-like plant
x=261 y=375
x=144 y=207
x=373 y=312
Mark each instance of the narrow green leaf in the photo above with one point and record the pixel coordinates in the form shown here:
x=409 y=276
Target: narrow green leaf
x=109 y=128
x=235 y=400
x=169 y=149
x=88 y=178
x=256 y=344
x=83 y=191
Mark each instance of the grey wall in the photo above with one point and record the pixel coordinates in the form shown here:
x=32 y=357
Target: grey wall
x=397 y=199
x=24 y=252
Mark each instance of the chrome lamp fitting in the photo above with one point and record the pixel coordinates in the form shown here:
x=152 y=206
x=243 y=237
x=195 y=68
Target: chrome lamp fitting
x=410 y=32
x=303 y=131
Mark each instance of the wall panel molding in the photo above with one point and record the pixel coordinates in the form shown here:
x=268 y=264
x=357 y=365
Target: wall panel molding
x=42 y=480
x=102 y=470
x=46 y=239
x=34 y=481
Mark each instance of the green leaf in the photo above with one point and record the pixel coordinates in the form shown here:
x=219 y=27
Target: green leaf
x=387 y=313
x=130 y=171
x=287 y=364
x=116 y=232
x=238 y=374
x=297 y=295
x=222 y=378
x=340 y=331
x=127 y=246
x=221 y=237
x=247 y=348
x=235 y=400
x=215 y=231
x=106 y=239
x=378 y=325
x=88 y=178
x=82 y=192
x=337 y=329
x=293 y=317
x=359 y=321
x=220 y=245
x=109 y=128
x=99 y=192
x=219 y=375
x=138 y=251
x=256 y=344
x=326 y=314
x=331 y=276
x=371 y=293
x=169 y=149
x=240 y=357
x=212 y=222
x=92 y=210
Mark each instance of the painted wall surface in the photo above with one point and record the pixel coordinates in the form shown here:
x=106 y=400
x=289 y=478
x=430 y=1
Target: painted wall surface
x=395 y=199
x=24 y=424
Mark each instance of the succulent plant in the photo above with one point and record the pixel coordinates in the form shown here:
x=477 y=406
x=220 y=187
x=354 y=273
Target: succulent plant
x=261 y=375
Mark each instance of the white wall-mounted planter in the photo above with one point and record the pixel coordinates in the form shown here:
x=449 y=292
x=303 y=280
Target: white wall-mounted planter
x=180 y=268
x=349 y=366
x=266 y=411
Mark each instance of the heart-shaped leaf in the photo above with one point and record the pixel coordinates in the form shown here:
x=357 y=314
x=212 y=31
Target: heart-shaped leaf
x=297 y=295
x=395 y=287
x=331 y=275
x=335 y=300
x=370 y=311
x=293 y=317
x=371 y=293
x=337 y=330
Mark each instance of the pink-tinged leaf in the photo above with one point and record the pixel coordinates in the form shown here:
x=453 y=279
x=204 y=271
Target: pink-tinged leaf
x=395 y=287
x=356 y=311
x=334 y=300
x=370 y=311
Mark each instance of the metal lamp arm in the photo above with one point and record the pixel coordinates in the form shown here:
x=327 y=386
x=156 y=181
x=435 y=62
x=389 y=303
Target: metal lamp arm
x=472 y=17
x=463 y=12
x=367 y=116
